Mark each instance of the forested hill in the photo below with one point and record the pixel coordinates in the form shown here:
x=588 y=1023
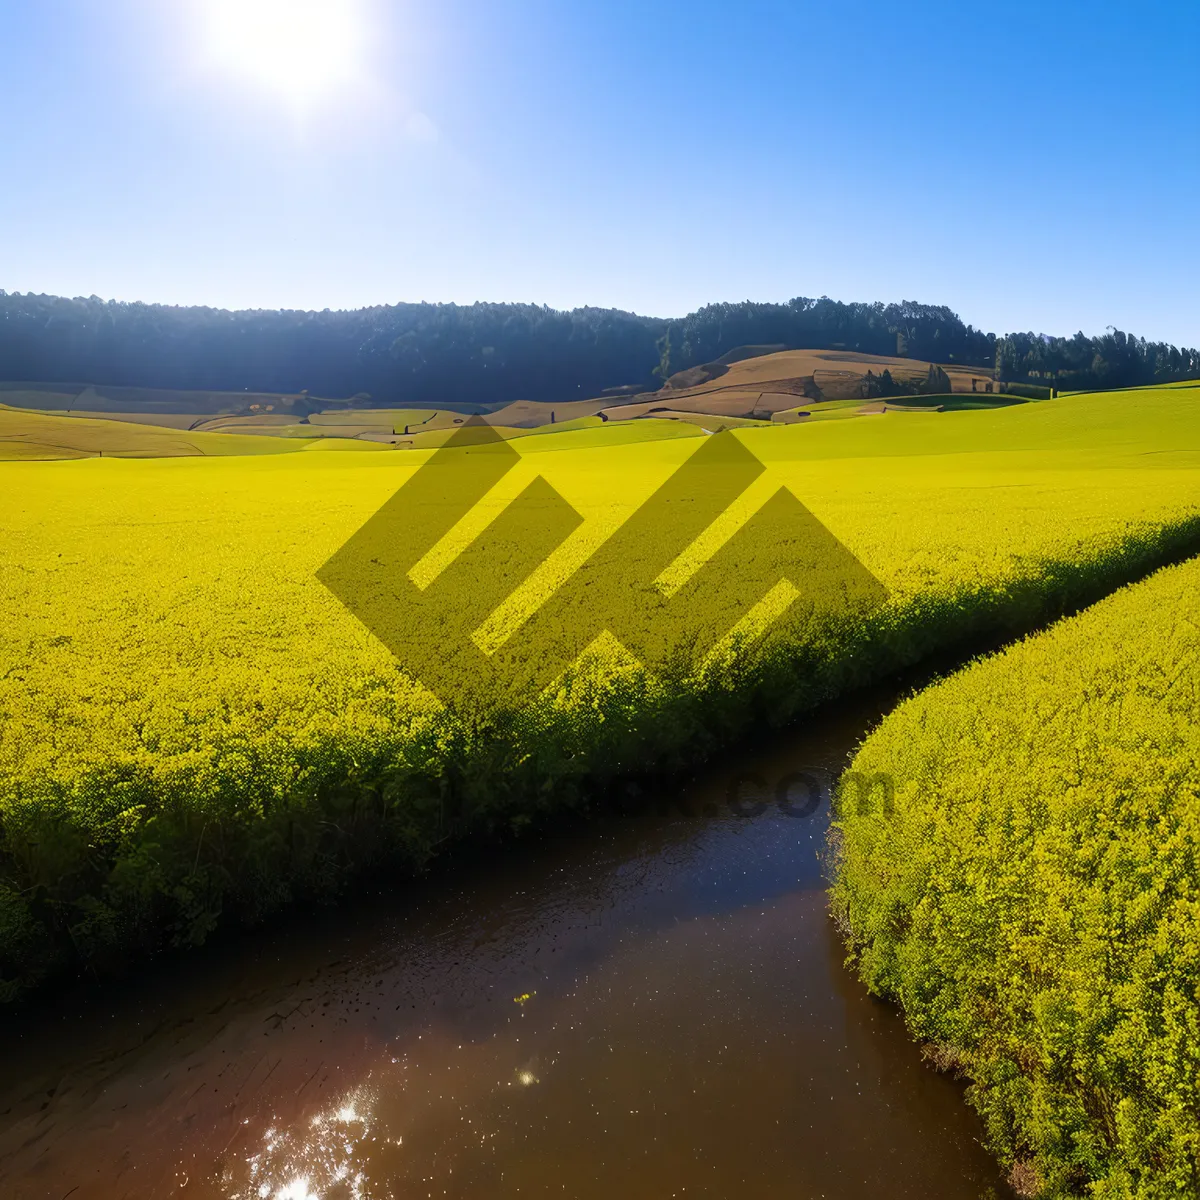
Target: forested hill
x=495 y=353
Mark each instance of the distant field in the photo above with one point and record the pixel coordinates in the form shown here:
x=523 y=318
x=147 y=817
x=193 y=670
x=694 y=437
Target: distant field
x=385 y=425
x=828 y=410
x=755 y=388
x=231 y=423
x=528 y=413
x=102 y=398
x=830 y=366
x=838 y=374
x=337 y=445
x=163 y=420
x=32 y=435
x=46 y=433
x=26 y=434
x=49 y=433
x=746 y=384
x=584 y=422
x=389 y=417
x=583 y=431
x=710 y=422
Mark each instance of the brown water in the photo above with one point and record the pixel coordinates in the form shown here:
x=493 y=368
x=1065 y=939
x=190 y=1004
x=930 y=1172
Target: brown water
x=644 y=1006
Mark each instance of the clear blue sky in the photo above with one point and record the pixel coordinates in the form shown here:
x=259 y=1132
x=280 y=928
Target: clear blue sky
x=1035 y=165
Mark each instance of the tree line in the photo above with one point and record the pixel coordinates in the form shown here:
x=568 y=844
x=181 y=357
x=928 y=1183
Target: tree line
x=1112 y=360
x=494 y=353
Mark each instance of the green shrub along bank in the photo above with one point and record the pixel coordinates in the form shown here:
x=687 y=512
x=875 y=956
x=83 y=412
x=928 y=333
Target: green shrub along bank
x=1033 y=900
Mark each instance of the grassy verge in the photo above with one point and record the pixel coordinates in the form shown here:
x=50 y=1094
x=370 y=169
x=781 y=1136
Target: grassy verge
x=1033 y=901
x=193 y=730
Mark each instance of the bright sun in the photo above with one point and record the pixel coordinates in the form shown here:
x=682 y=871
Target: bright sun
x=301 y=49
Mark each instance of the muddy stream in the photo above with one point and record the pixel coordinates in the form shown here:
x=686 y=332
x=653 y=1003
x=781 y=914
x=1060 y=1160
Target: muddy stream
x=638 y=1006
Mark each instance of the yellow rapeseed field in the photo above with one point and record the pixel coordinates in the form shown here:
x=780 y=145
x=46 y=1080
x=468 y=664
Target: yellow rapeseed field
x=192 y=728
x=1033 y=897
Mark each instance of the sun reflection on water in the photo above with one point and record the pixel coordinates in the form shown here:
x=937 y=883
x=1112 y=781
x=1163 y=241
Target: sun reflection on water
x=324 y=1161
x=352 y=1146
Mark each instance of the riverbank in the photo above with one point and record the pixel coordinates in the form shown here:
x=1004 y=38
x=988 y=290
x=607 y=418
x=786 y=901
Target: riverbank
x=629 y=1003
x=1031 y=899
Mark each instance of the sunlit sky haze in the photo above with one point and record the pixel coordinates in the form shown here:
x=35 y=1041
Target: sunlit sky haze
x=1035 y=166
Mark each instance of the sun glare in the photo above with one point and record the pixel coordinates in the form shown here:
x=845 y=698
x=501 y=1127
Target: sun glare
x=301 y=49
